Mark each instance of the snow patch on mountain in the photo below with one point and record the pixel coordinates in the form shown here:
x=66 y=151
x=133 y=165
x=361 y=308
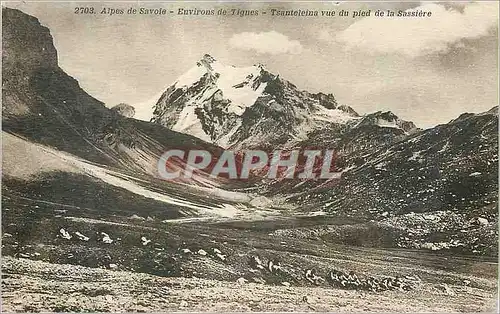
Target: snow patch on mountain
x=242 y=94
x=234 y=83
x=192 y=76
x=387 y=124
x=332 y=115
x=189 y=123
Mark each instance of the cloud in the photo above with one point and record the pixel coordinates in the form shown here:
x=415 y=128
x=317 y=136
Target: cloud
x=265 y=43
x=417 y=36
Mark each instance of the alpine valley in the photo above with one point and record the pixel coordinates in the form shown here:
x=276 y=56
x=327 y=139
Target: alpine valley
x=88 y=225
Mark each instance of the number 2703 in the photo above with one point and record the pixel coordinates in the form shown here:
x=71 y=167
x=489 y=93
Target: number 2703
x=84 y=10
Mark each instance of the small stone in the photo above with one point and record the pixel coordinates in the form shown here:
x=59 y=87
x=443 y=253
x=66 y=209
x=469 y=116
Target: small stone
x=65 y=234
x=482 y=221
x=106 y=238
x=221 y=257
x=145 y=241
x=136 y=217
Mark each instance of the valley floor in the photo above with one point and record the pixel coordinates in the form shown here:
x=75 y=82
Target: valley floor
x=40 y=286
x=72 y=242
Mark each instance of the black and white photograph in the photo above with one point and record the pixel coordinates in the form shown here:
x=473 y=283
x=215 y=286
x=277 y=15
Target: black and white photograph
x=253 y=156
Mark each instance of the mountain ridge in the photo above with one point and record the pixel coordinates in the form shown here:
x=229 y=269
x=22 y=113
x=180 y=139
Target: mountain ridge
x=44 y=104
x=244 y=98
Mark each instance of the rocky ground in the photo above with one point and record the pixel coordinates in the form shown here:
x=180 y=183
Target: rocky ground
x=437 y=231
x=39 y=286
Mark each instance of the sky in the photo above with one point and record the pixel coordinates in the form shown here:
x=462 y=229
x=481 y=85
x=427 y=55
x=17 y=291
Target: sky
x=428 y=70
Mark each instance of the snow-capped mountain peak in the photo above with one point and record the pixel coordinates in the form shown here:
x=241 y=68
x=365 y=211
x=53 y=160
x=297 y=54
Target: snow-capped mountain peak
x=239 y=85
x=209 y=99
x=250 y=106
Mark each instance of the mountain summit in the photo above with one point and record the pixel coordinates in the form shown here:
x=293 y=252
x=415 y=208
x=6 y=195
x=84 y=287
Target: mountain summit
x=250 y=106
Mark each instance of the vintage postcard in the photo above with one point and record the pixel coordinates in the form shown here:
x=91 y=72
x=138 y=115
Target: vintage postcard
x=211 y=156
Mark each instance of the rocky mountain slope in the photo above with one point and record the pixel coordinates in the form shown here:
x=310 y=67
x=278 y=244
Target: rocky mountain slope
x=436 y=189
x=45 y=105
